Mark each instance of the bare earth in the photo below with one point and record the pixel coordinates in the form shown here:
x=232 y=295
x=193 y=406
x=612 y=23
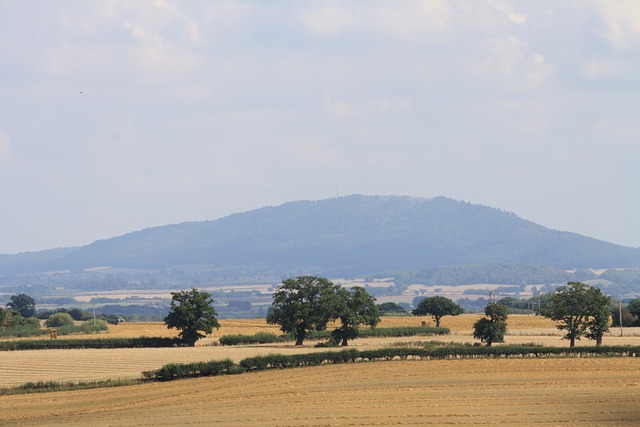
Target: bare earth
x=566 y=391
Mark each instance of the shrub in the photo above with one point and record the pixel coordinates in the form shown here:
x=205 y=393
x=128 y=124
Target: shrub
x=142 y=342
x=59 y=320
x=259 y=338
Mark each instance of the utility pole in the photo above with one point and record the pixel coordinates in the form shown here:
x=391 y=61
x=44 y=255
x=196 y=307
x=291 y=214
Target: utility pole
x=620 y=314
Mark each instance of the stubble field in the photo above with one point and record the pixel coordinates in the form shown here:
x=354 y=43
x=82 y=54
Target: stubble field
x=564 y=391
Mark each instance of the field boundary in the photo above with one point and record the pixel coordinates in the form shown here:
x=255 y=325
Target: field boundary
x=278 y=361
x=177 y=371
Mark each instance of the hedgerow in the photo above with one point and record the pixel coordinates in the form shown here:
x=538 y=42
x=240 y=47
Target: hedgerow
x=406 y=331
x=259 y=338
x=139 y=342
x=279 y=361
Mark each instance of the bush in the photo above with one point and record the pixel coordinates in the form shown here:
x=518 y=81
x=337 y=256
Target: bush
x=188 y=370
x=406 y=331
x=18 y=326
x=142 y=342
x=88 y=327
x=259 y=338
x=59 y=320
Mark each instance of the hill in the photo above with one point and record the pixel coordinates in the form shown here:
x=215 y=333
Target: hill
x=351 y=235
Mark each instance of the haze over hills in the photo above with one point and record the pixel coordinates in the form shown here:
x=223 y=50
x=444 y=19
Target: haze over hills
x=352 y=235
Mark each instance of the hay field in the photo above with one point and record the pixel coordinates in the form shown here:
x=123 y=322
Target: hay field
x=569 y=391
x=100 y=364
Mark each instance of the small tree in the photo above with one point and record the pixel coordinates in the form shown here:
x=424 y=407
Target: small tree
x=300 y=305
x=392 y=309
x=437 y=307
x=58 y=320
x=493 y=326
x=23 y=304
x=628 y=319
x=634 y=309
x=352 y=308
x=192 y=313
x=77 y=314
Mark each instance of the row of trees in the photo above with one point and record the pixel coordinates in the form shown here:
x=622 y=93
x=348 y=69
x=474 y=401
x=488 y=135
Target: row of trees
x=308 y=303
x=300 y=305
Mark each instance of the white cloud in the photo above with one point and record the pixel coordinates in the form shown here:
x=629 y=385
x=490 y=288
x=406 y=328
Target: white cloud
x=344 y=110
x=313 y=150
x=510 y=61
x=330 y=19
x=5 y=148
x=506 y=8
x=70 y=59
x=411 y=20
x=597 y=69
x=403 y=20
x=621 y=19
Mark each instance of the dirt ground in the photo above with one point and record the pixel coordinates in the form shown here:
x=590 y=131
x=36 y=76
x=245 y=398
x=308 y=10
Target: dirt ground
x=568 y=391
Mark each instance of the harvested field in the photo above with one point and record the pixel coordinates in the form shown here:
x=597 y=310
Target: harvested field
x=100 y=364
x=571 y=391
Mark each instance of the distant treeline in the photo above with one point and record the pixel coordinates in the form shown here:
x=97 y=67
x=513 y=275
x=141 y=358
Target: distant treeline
x=623 y=280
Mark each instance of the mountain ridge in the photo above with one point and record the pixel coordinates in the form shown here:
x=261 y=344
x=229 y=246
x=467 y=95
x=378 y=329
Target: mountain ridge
x=356 y=234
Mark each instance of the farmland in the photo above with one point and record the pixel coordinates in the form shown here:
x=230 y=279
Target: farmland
x=460 y=392
x=564 y=391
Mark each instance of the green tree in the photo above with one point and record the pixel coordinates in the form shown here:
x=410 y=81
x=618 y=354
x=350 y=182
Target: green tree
x=353 y=307
x=493 y=326
x=299 y=305
x=58 y=320
x=437 y=307
x=391 y=309
x=634 y=309
x=77 y=314
x=23 y=304
x=2 y=316
x=192 y=313
x=582 y=310
x=599 y=312
x=628 y=319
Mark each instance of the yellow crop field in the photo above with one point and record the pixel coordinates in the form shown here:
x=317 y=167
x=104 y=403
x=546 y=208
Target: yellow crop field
x=100 y=364
x=567 y=391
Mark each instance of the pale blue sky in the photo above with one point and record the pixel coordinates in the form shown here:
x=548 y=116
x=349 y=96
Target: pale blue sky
x=120 y=115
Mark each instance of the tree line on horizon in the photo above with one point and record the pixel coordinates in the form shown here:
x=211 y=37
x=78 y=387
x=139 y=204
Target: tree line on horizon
x=308 y=303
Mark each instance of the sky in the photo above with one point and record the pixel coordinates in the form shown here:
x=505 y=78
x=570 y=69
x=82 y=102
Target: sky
x=116 y=116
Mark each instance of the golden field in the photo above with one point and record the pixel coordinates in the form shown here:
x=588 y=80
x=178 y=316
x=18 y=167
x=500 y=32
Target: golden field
x=508 y=392
x=563 y=391
x=100 y=364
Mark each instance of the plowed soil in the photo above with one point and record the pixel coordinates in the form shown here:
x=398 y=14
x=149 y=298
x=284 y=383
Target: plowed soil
x=579 y=392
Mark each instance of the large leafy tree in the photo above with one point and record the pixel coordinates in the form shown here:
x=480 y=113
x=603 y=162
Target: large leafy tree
x=352 y=308
x=437 y=307
x=301 y=305
x=193 y=314
x=599 y=312
x=23 y=304
x=581 y=310
x=493 y=326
